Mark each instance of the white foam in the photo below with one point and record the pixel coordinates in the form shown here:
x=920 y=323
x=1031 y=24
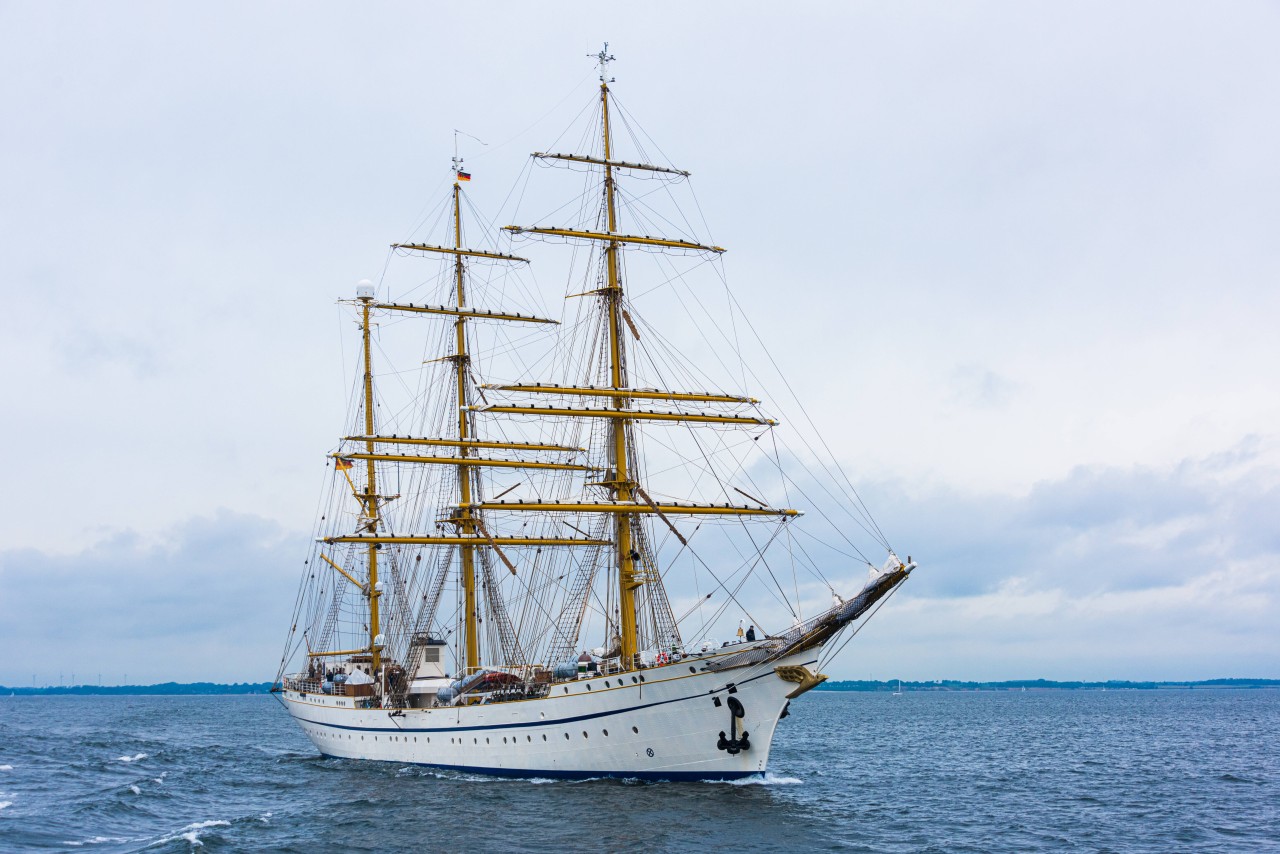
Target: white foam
x=442 y=774
x=6 y=767
x=766 y=779
x=135 y=789
x=133 y=758
x=160 y=779
x=191 y=833
x=4 y=804
x=97 y=840
x=265 y=818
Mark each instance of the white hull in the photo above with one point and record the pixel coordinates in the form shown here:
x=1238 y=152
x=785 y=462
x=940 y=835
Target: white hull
x=665 y=727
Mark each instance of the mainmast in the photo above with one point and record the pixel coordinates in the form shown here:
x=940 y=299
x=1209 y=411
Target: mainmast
x=466 y=520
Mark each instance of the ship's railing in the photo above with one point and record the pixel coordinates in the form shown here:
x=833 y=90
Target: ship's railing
x=309 y=685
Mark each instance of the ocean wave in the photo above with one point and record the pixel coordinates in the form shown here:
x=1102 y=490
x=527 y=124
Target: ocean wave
x=133 y=758
x=765 y=779
x=134 y=788
x=97 y=840
x=4 y=804
x=447 y=774
x=191 y=833
x=6 y=767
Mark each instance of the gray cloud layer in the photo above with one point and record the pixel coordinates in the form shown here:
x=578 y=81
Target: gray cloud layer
x=1115 y=573
x=1018 y=260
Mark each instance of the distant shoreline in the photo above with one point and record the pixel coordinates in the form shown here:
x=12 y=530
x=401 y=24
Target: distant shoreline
x=238 y=688
x=1044 y=685
x=164 y=688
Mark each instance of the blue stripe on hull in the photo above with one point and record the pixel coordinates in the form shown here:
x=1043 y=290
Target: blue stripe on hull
x=656 y=776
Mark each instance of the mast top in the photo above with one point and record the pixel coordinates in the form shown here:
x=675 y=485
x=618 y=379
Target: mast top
x=603 y=58
x=460 y=174
x=364 y=290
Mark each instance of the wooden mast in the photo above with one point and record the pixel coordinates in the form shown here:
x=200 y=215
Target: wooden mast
x=623 y=486
x=466 y=519
x=628 y=500
x=371 y=484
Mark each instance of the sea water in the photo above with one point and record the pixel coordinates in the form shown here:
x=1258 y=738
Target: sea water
x=1158 y=771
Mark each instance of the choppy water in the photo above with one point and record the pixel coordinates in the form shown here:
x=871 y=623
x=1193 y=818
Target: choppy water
x=1054 y=771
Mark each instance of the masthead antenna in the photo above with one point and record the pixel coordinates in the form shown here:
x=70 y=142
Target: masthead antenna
x=603 y=58
x=458 y=171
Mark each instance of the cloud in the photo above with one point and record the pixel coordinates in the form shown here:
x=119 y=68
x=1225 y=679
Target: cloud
x=209 y=599
x=1130 y=572
x=1027 y=271
x=981 y=387
x=1107 y=573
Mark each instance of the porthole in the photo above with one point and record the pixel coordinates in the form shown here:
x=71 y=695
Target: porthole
x=528 y=738
x=606 y=732
x=486 y=741
x=566 y=736
x=641 y=677
x=475 y=741
x=566 y=689
x=633 y=679
x=544 y=736
x=693 y=670
x=584 y=733
x=504 y=739
x=588 y=686
x=636 y=731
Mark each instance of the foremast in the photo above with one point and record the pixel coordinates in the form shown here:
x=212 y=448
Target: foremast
x=629 y=499
x=620 y=482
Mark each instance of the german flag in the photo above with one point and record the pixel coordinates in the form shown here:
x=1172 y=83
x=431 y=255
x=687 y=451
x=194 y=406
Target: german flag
x=340 y=463
x=464 y=176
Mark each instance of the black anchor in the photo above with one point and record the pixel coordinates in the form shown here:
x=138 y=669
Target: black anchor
x=734 y=744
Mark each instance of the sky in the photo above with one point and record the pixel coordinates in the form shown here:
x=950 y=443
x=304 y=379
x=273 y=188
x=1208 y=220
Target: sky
x=1019 y=261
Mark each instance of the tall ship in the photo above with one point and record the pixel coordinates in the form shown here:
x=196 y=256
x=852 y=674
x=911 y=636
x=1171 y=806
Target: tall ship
x=541 y=549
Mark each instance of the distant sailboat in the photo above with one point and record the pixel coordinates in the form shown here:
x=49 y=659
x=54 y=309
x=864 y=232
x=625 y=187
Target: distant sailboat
x=898 y=693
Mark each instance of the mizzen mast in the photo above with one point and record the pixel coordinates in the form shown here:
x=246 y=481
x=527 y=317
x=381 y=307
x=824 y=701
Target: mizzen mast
x=365 y=295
